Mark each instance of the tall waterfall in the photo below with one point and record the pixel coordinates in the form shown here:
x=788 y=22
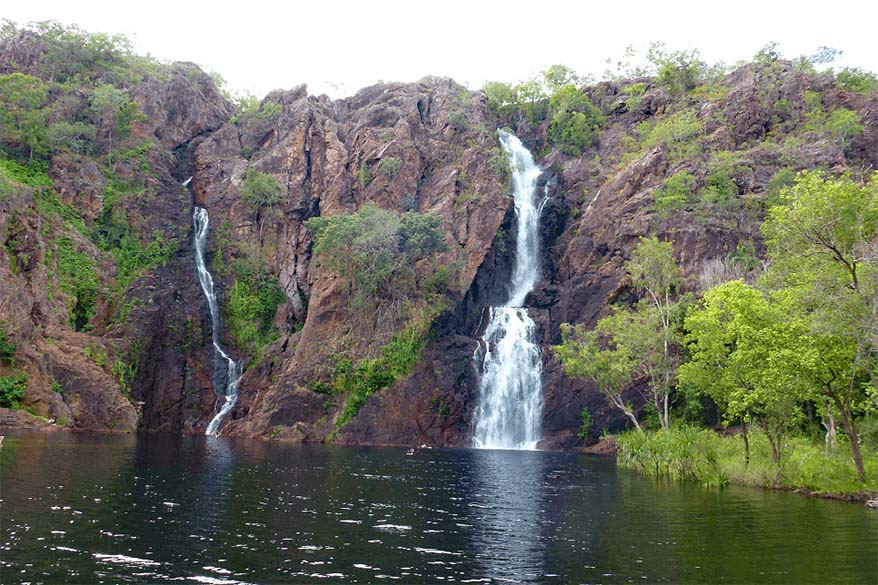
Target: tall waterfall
x=510 y=403
x=226 y=382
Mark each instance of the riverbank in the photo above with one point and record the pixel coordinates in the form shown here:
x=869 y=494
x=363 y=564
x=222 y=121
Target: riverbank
x=715 y=460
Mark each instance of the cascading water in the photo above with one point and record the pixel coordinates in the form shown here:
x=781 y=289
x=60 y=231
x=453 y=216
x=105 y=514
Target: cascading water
x=226 y=382
x=511 y=389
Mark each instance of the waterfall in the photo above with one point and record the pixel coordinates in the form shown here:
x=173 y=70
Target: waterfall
x=226 y=382
x=510 y=403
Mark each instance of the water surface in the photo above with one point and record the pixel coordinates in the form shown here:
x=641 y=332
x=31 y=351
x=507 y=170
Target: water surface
x=80 y=508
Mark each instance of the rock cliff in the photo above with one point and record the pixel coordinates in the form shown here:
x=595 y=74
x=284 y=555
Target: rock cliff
x=428 y=147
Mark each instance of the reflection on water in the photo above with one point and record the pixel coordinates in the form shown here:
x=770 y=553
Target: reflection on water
x=91 y=508
x=507 y=514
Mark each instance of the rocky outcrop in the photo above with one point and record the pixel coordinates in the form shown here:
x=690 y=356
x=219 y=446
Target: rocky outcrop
x=144 y=346
x=428 y=147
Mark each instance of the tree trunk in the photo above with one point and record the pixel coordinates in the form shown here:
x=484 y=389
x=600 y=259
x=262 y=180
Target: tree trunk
x=617 y=400
x=746 y=438
x=831 y=432
x=851 y=432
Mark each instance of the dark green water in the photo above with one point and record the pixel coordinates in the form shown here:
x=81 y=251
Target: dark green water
x=153 y=508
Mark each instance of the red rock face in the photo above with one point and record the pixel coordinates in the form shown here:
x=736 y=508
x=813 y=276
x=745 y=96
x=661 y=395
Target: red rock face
x=328 y=157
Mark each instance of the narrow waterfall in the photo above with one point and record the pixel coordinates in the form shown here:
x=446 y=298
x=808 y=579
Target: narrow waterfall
x=226 y=382
x=510 y=403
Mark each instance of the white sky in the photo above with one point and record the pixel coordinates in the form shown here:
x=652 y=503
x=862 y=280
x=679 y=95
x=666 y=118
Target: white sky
x=337 y=47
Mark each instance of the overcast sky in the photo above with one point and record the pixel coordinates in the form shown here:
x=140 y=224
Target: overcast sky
x=338 y=47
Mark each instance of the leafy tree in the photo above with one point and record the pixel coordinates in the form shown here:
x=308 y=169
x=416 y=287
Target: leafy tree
x=654 y=272
x=114 y=112
x=675 y=193
x=844 y=124
x=559 y=76
x=751 y=359
x=822 y=243
x=575 y=120
x=390 y=166
x=78 y=136
x=22 y=117
x=855 y=79
x=610 y=368
x=680 y=71
x=376 y=249
x=262 y=192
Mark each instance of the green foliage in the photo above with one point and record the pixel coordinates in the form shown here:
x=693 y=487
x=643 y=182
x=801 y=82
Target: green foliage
x=458 y=121
x=252 y=111
x=857 y=80
x=499 y=163
x=721 y=191
x=586 y=420
x=33 y=174
x=75 y=137
x=844 y=124
x=396 y=361
x=78 y=279
x=675 y=193
x=679 y=71
x=784 y=177
x=113 y=233
x=22 y=117
x=376 y=249
x=390 y=166
x=701 y=455
x=575 y=120
x=250 y=310
x=680 y=133
x=364 y=177
x=115 y=112
x=7 y=348
x=12 y=390
x=261 y=190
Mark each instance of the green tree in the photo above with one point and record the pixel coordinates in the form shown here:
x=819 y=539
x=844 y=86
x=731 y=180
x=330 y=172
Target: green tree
x=610 y=368
x=114 y=112
x=376 y=249
x=575 y=120
x=844 y=124
x=751 y=358
x=262 y=192
x=822 y=243
x=22 y=116
x=655 y=272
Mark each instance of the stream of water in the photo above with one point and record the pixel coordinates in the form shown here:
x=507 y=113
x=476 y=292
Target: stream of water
x=227 y=371
x=510 y=404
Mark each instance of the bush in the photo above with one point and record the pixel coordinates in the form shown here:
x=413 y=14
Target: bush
x=681 y=133
x=390 y=166
x=12 y=389
x=376 y=248
x=7 y=348
x=855 y=79
x=575 y=121
x=252 y=305
x=675 y=193
x=77 y=278
x=261 y=190
x=585 y=417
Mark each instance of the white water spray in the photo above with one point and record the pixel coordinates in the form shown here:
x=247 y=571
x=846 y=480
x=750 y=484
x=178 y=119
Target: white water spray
x=229 y=390
x=510 y=403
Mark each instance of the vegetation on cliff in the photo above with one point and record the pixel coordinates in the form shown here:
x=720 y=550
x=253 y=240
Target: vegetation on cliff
x=777 y=349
